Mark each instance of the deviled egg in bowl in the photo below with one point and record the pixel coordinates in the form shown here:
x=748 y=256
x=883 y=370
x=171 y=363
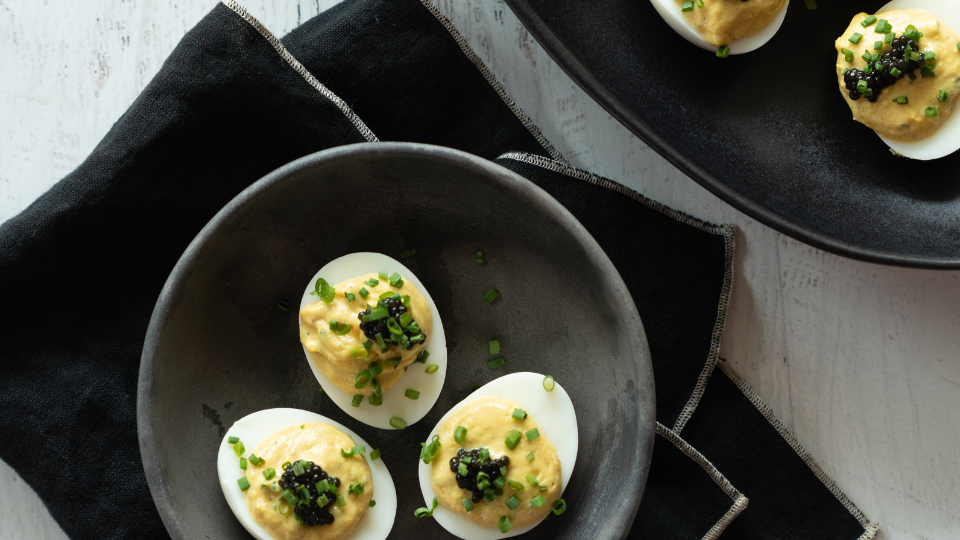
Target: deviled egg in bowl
x=225 y=343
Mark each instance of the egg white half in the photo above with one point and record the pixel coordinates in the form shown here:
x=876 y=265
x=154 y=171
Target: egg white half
x=416 y=377
x=945 y=140
x=255 y=427
x=670 y=11
x=553 y=412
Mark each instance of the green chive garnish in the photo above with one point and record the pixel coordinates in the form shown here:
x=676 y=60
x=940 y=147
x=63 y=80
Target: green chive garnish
x=383 y=276
x=513 y=502
x=360 y=353
x=283 y=305
x=895 y=72
x=496 y=362
x=398 y=423
x=926 y=73
x=322 y=500
x=426 y=512
x=243 y=483
x=362 y=379
x=529 y=457
x=460 y=434
x=480 y=253
x=411 y=394
x=432 y=368
x=890 y=37
x=700 y=4
x=350 y=296
x=491 y=295
x=405 y=299
x=686 y=6
x=286 y=465
x=532 y=480
x=388 y=294
x=504 y=524
x=468 y=505
x=357 y=400
x=931 y=112
x=395 y=280
x=462 y=469
x=406 y=254
x=375 y=399
x=548 y=383
x=269 y=473
x=877 y=45
x=537 y=501
x=855 y=38
x=495 y=346
x=513 y=439
x=238 y=448
x=356 y=489
x=289 y=496
x=723 y=51
x=339 y=327
x=559 y=507
x=372 y=503
x=514 y=485
x=298 y=469
x=519 y=414
x=324 y=290
x=375 y=454
x=364 y=292
x=533 y=434
x=942 y=96
x=373 y=282
x=340 y=500
x=902 y=100
x=882 y=27
x=500 y=481
x=243 y=463
x=868 y=21
x=233 y=440
x=847 y=54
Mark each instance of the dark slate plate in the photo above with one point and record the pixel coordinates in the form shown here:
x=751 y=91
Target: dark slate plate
x=767 y=131
x=218 y=349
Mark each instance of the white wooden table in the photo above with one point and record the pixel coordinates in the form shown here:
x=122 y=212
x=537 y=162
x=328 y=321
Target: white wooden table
x=861 y=362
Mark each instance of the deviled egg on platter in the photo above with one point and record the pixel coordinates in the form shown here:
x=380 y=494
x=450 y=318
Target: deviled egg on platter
x=725 y=26
x=497 y=463
x=374 y=339
x=292 y=474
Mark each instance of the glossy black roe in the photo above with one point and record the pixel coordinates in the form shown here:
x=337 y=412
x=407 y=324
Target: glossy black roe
x=395 y=309
x=311 y=514
x=469 y=482
x=880 y=76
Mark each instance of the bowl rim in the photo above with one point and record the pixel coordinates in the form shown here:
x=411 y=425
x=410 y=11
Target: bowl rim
x=617 y=527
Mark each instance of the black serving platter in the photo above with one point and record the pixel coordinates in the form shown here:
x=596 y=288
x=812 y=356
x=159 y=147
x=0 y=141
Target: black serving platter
x=218 y=348
x=767 y=131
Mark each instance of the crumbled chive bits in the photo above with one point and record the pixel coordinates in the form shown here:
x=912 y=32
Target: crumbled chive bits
x=426 y=512
x=357 y=400
x=496 y=362
x=238 y=448
x=375 y=454
x=233 y=440
x=533 y=434
x=460 y=434
x=811 y=4
x=855 y=38
x=468 y=505
x=491 y=295
x=930 y=112
x=269 y=473
x=480 y=253
x=537 y=501
x=432 y=368
x=723 y=51
x=847 y=54
x=243 y=483
x=495 y=344
x=412 y=394
x=559 y=506
x=548 y=383
x=942 y=96
x=902 y=100
x=398 y=423
x=519 y=414
x=504 y=524
x=686 y=6
x=870 y=19
x=512 y=439
x=530 y=457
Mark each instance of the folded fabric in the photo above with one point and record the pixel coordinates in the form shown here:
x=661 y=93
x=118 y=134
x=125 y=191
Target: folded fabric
x=85 y=263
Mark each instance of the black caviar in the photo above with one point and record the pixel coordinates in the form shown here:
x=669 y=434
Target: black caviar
x=310 y=514
x=880 y=76
x=395 y=309
x=475 y=466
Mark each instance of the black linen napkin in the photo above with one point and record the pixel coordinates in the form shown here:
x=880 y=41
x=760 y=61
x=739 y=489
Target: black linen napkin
x=84 y=264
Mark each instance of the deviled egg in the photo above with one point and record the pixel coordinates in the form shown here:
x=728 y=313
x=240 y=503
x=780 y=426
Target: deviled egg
x=367 y=325
x=291 y=474
x=899 y=71
x=725 y=26
x=498 y=462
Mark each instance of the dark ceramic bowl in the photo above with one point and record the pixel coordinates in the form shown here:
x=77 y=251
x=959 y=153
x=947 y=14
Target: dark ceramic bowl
x=218 y=348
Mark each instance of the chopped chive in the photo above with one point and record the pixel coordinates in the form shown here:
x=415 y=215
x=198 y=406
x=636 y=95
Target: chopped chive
x=243 y=483
x=340 y=500
x=501 y=480
x=548 y=383
x=375 y=368
x=895 y=72
x=462 y=469
x=350 y=296
x=356 y=489
x=513 y=502
x=870 y=19
x=532 y=480
x=811 y=4
x=426 y=512
x=362 y=379
x=912 y=33
x=396 y=280
x=298 y=469
x=381 y=342
x=868 y=69
x=931 y=112
x=686 y=6
x=388 y=294
x=286 y=465
x=375 y=454
x=360 y=353
x=926 y=73
x=700 y=4
x=405 y=319
x=847 y=54
x=902 y=100
x=269 y=473
x=372 y=503
x=929 y=55
x=890 y=37
x=428 y=451
x=324 y=291
x=432 y=368
x=866 y=56
x=489 y=495
x=383 y=276
x=882 y=27
x=533 y=434
x=474 y=387
x=467 y=505
x=495 y=346
x=877 y=45
x=346 y=454
x=233 y=440
x=364 y=292
x=861 y=86
x=529 y=457
x=496 y=362
x=855 y=38
x=398 y=423
x=322 y=486
x=322 y=500
x=514 y=485
x=405 y=299
x=543 y=488
x=460 y=434
x=375 y=399
x=723 y=51
x=504 y=524
x=484 y=455
x=411 y=394
x=942 y=96
x=283 y=305
x=503 y=471
x=559 y=506
x=339 y=327
x=243 y=463
x=393 y=362
x=238 y=448
x=519 y=414
x=289 y=496
x=491 y=295
x=406 y=254
x=373 y=282
x=537 y=501
x=480 y=253
x=868 y=92
x=513 y=439
x=357 y=400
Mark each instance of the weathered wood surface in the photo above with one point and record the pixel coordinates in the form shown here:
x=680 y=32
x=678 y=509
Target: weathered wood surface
x=861 y=361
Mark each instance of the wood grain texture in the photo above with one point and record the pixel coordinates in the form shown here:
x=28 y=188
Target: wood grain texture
x=860 y=361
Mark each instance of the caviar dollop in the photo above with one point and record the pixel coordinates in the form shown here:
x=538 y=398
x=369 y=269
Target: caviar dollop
x=482 y=473
x=316 y=510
